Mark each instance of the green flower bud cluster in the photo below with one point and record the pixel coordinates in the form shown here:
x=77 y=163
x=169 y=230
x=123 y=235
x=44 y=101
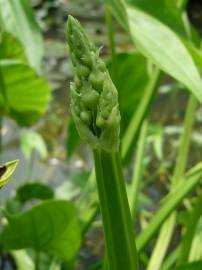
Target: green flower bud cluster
x=94 y=98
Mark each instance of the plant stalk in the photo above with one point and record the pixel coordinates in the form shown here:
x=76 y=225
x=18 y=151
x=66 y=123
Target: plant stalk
x=138 y=166
x=119 y=237
x=132 y=132
x=167 y=229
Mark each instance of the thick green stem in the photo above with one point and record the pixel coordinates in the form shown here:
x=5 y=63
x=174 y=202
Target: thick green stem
x=118 y=229
x=167 y=229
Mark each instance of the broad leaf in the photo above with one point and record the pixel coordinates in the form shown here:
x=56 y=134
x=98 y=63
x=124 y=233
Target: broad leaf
x=10 y=48
x=50 y=226
x=6 y=171
x=168 y=12
x=16 y=17
x=159 y=43
x=165 y=11
x=27 y=94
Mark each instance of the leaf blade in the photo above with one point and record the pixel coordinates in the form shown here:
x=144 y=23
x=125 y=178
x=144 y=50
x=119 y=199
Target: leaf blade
x=17 y=18
x=165 y=49
x=57 y=232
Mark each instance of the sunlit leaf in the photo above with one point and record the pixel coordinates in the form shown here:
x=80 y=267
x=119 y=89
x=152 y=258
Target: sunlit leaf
x=10 y=48
x=165 y=11
x=159 y=43
x=17 y=18
x=6 y=171
x=27 y=94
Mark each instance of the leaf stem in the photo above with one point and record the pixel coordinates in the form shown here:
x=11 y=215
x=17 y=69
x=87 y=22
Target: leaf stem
x=182 y=156
x=133 y=129
x=191 y=226
x=119 y=237
x=137 y=173
x=171 y=201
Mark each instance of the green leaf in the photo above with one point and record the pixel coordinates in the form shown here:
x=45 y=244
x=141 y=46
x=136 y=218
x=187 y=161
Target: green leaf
x=6 y=171
x=160 y=44
x=189 y=266
x=130 y=90
x=117 y=7
x=17 y=18
x=27 y=94
x=11 y=48
x=30 y=141
x=50 y=226
x=159 y=33
x=165 y=11
x=34 y=190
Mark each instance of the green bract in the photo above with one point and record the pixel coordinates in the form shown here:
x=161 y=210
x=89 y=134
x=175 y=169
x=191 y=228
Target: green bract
x=94 y=98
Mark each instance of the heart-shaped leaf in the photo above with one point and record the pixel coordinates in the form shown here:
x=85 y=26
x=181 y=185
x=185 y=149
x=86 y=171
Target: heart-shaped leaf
x=26 y=95
x=51 y=226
